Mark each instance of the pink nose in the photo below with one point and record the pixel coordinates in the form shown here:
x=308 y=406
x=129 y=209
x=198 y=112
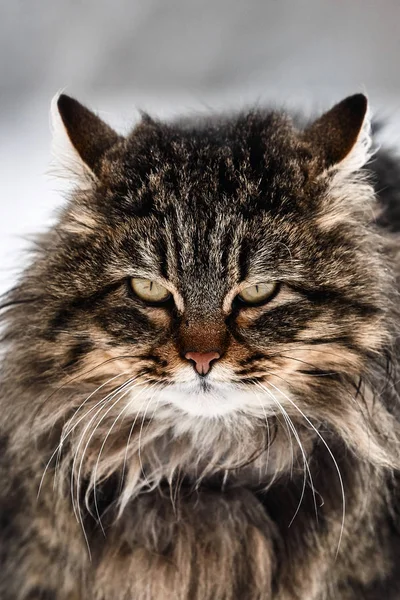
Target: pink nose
x=202 y=360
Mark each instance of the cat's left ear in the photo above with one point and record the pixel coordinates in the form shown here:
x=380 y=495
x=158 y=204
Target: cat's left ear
x=80 y=138
x=341 y=136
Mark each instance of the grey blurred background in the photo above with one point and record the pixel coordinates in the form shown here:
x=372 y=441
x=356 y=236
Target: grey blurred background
x=172 y=56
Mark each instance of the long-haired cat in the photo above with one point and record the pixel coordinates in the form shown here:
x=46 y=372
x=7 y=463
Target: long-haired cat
x=199 y=387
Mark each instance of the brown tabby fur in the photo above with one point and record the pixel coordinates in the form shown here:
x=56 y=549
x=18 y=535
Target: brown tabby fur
x=125 y=477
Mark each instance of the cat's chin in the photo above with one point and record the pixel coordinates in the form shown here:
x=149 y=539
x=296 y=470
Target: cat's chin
x=205 y=404
x=212 y=400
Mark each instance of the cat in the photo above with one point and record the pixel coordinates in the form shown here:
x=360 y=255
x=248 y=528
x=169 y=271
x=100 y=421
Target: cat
x=199 y=382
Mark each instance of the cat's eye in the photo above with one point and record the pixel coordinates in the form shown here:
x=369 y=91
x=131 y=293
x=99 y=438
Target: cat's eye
x=258 y=293
x=149 y=291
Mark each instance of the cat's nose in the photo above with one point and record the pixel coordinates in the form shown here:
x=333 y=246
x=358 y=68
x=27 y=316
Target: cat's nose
x=202 y=360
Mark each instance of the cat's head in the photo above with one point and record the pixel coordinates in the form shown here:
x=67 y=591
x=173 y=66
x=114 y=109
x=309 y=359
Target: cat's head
x=220 y=270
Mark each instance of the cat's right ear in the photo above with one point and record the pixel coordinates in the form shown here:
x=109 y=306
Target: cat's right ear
x=341 y=136
x=80 y=138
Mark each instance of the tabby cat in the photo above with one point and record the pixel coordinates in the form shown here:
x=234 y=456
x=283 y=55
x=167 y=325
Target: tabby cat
x=199 y=384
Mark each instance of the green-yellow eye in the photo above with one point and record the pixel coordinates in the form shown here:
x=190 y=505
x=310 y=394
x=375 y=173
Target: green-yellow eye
x=258 y=293
x=149 y=291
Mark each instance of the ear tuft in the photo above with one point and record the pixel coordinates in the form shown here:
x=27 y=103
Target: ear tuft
x=342 y=135
x=79 y=134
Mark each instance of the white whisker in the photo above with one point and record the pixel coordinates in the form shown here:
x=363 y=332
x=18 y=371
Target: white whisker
x=76 y=508
x=126 y=407
x=139 y=441
x=129 y=440
x=306 y=468
x=332 y=457
x=65 y=436
x=268 y=435
x=99 y=405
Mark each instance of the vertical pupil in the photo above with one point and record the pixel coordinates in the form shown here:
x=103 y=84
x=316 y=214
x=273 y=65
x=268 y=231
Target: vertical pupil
x=256 y=289
x=151 y=285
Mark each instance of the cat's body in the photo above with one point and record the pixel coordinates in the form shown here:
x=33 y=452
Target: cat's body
x=268 y=471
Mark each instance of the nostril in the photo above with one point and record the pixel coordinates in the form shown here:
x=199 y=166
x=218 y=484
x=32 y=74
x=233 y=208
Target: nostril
x=202 y=360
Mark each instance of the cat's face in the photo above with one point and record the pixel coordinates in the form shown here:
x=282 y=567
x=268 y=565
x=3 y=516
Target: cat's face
x=221 y=268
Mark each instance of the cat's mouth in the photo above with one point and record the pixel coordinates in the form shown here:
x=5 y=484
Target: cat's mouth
x=210 y=398
x=216 y=394
x=205 y=385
